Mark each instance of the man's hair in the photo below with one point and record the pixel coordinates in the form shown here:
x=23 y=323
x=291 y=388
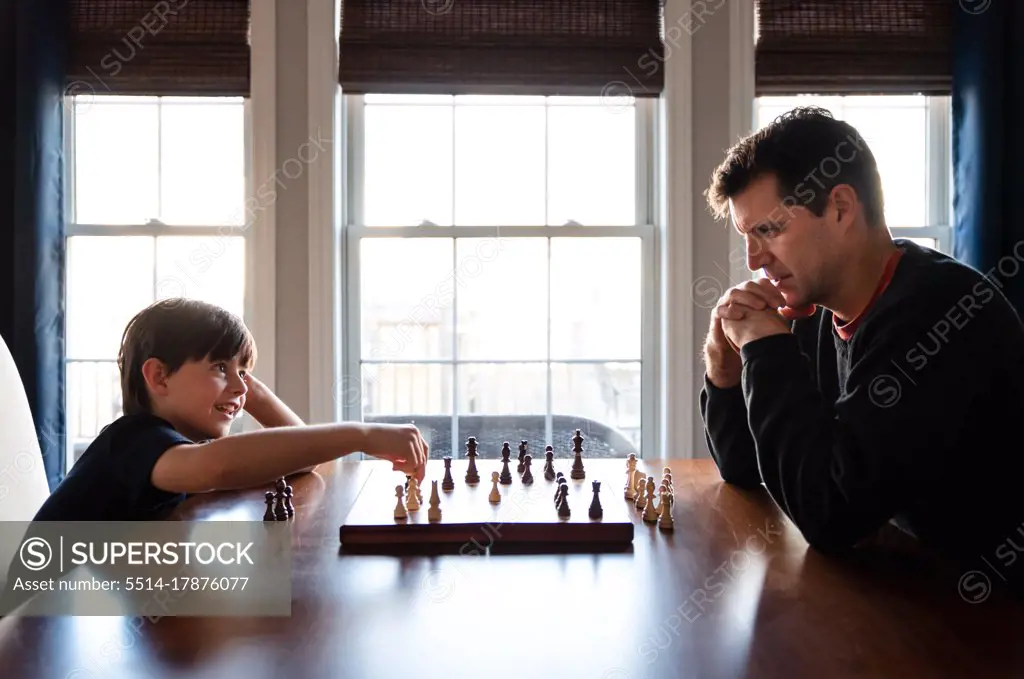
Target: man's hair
x=810 y=153
x=175 y=331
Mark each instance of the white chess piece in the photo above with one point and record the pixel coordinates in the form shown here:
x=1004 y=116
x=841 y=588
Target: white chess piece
x=630 y=477
x=400 y=512
x=495 y=496
x=650 y=508
x=434 y=513
x=667 y=501
x=412 y=502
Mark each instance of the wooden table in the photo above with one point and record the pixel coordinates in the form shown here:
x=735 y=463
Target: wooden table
x=733 y=592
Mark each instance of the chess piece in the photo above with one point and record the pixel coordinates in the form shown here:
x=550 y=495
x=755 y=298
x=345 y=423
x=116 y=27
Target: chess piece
x=400 y=512
x=650 y=509
x=280 y=512
x=527 y=474
x=412 y=500
x=269 y=514
x=495 y=496
x=447 y=483
x=506 y=474
x=434 y=512
x=563 y=503
x=559 y=482
x=666 y=522
x=472 y=476
x=630 y=469
x=280 y=484
x=563 y=490
x=506 y=452
x=549 y=465
x=288 y=506
x=596 y=512
x=639 y=481
x=577 y=463
x=641 y=497
x=522 y=457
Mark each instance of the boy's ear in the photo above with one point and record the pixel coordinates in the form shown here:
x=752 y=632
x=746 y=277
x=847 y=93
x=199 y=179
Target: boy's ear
x=155 y=372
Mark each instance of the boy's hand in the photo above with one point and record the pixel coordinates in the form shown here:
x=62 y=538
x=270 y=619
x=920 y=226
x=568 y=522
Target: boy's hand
x=402 y=444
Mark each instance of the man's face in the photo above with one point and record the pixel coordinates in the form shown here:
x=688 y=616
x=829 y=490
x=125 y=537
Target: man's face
x=204 y=397
x=787 y=242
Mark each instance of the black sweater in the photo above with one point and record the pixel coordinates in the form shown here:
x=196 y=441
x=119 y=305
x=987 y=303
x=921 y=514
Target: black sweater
x=914 y=419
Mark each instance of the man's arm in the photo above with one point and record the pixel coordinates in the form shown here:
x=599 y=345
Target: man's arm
x=730 y=443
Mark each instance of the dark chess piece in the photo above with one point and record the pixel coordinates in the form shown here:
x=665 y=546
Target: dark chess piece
x=522 y=456
x=563 y=503
x=289 y=507
x=472 y=476
x=506 y=475
x=280 y=485
x=595 y=506
x=447 y=483
x=269 y=514
x=280 y=513
x=506 y=452
x=549 y=465
x=563 y=489
x=527 y=474
x=577 y=464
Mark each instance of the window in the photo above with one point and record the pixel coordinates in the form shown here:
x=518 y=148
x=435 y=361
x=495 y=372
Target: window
x=909 y=136
x=499 y=251
x=156 y=189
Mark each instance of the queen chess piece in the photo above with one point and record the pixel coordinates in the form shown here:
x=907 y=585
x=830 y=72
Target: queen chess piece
x=447 y=483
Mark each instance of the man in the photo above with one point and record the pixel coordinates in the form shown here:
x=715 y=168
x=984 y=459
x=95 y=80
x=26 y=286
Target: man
x=863 y=380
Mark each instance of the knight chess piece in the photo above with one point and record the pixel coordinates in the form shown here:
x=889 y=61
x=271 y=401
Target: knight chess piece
x=596 y=512
x=447 y=483
x=527 y=474
x=549 y=464
x=522 y=457
x=577 y=463
x=472 y=476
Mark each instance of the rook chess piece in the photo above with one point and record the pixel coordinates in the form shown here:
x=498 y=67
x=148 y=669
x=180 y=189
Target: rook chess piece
x=495 y=496
x=577 y=463
x=400 y=512
x=434 y=513
x=522 y=457
x=289 y=507
x=650 y=509
x=595 y=506
x=549 y=465
x=472 y=476
x=269 y=514
x=412 y=499
x=563 y=502
x=527 y=474
x=447 y=483
x=630 y=469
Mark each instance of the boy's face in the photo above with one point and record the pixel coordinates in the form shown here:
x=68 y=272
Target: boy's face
x=202 y=398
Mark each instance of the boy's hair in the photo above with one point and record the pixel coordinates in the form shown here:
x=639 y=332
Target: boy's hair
x=174 y=331
x=810 y=153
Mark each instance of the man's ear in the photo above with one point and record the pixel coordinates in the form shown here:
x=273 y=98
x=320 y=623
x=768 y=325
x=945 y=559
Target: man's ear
x=155 y=372
x=843 y=205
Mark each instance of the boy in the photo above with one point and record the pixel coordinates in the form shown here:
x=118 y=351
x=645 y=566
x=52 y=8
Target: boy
x=185 y=377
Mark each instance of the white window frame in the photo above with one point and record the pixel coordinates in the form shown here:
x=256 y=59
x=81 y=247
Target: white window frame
x=154 y=229
x=349 y=408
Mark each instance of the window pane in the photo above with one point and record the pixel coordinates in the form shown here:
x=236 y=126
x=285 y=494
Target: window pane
x=595 y=298
x=607 y=393
x=210 y=268
x=109 y=280
x=592 y=161
x=499 y=165
x=202 y=162
x=502 y=298
x=116 y=161
x=406 y=292
x=421 y=394
x=503 y=388
x=408 y=161
x=93 y=398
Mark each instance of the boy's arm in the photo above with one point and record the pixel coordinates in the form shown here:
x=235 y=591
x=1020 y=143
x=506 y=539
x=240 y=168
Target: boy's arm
x=258 y=457
x=264 y=406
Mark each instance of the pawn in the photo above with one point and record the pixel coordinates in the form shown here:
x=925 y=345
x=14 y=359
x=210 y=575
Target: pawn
x=562 y=492
x=641 y=497
x=665 y=523
x=596 y=512
x=280 y=512
x=549 y=464
x=400 y=512
x=506 y=452
x=563 y=503
x=447 y=483
x=527 y=474
x=269 y=514
x=522 y=457
x=650 y=509
x=495 y=496
x=289 y=507
x=434 y=512
x=412 y=501
x=506 y=475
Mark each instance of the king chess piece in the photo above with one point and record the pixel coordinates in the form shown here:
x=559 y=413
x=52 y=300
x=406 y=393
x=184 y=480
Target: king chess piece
x=549 y=464
x=472 y=476
x=506 y=459
x=522 y=457
x=447 y=483
x=527 y=474
x=596 y=512
x=630 y=470
x=577 y=463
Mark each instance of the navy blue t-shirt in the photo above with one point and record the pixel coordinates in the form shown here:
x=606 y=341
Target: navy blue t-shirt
x=111 y=481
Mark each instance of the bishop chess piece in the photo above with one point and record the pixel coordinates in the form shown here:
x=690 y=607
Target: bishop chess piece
x=269 y=514
x=563 y=502
x=577 y=463
x=527 y=474
x=596 y=512
x=412 y=501
x=472 y=476
x=549 y=464
x=447 y=483
x=650 y=509
x=288 y=506
x=630 y=476
x=400 y=512
x=495 y=496
x=434 y=512
x=522 y=457
x=506 y=459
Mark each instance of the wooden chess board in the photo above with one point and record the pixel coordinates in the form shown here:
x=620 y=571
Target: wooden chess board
x=525 y=517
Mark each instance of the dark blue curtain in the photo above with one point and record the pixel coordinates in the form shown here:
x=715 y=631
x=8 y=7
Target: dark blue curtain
x=988 y=140
x=33 y=43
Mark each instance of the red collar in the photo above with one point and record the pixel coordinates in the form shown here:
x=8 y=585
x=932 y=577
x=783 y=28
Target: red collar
x=846 y=330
